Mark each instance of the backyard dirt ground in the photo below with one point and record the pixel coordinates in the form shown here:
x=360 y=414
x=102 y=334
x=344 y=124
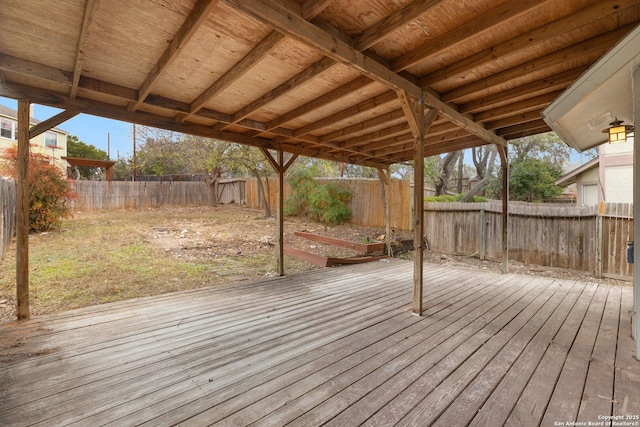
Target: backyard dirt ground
x=122 y=255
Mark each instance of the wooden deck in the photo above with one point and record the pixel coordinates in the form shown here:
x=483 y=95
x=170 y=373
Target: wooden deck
x=335 y=346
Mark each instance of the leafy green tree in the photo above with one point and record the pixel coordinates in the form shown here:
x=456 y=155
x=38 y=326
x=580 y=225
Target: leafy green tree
x=530 y=180
x=77 y=148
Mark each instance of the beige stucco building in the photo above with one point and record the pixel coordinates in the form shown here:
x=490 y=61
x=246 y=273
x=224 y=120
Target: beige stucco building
x=606 y=179
x=52 y=143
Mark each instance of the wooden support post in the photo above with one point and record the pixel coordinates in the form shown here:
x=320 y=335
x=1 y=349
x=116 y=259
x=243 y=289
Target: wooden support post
x=281 y=168
x=483 y=234
x=418 y=223
x=385 y=178
x=504 y=163
x=280 y=215
x=598 y=244
x=419 y=122
x=635 y=327
x=22 y=211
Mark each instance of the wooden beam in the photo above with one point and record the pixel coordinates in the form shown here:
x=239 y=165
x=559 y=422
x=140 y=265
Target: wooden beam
x=362 y=107
x=22 y=211
x=472 y=29
x=363 y=126
x=525 y=106
x=189 y=27
x=393 y=22
x=51 y=122
x=582 y=53
x=89 y=9
x=280 y=18
x=341 y=243
x=553 y=83
x=54 y=99
x=298 y=80
x=544 y=33
x=517 y=119
x=235 y=72
x=334 y=95
x=313 y=8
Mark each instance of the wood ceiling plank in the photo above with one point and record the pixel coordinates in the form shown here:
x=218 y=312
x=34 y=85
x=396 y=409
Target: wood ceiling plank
x=539 y=35
x=495 y=17
x=238 y=70
x=400 y=18
x=193 y=22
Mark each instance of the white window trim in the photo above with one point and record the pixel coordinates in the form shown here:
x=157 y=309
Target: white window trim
x=14 y=129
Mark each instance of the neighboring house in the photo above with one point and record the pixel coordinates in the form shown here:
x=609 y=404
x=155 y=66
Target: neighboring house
x=52 y=143
x=607 y=179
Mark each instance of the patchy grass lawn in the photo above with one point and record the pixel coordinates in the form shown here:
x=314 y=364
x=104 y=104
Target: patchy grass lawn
x=103 y=257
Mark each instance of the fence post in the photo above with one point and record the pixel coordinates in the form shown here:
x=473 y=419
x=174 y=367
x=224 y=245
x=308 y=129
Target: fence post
x=483 y=234
x=599 y=240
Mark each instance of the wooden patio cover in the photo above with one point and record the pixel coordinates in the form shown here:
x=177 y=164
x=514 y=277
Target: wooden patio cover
x=369 y=82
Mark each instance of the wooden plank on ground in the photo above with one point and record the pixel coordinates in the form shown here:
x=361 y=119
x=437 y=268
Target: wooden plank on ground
x=347 y=244
x=323 y=261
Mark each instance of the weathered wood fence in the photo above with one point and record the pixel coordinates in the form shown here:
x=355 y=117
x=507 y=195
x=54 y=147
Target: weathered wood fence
x=116 y=195
x=7 y=214
x=367 y=204
x=585 y=239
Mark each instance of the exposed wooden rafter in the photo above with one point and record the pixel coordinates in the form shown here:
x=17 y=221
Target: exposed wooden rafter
x=196 y=18
x=89 y=10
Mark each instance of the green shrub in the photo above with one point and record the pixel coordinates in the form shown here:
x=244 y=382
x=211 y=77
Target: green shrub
x=49 y=191
x=328 y=204
x=325 y=203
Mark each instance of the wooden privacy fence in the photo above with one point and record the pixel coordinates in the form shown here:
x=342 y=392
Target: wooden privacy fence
x=102 y=195
x=7 y=214
x=584 y=239
x=367 y=205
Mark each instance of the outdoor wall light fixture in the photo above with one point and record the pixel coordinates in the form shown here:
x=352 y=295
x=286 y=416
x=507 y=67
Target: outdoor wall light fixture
x=617 y=131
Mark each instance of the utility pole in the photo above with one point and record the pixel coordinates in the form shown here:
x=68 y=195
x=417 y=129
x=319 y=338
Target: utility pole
x=134 y=152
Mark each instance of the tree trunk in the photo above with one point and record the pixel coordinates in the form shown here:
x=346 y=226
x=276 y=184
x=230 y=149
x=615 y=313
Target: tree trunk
x=483 y=182
x=447 y=165
x=460 y=171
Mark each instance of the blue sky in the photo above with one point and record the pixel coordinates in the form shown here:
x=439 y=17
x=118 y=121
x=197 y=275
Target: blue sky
x=91 y=130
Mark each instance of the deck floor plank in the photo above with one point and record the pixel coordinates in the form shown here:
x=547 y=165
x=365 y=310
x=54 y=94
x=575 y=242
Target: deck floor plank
x=335 y=346
x=500 y=401
x=597 y=396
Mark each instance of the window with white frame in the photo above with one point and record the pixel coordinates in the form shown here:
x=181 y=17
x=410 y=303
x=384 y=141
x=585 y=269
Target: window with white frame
x=50 y=139
x=8 y=129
